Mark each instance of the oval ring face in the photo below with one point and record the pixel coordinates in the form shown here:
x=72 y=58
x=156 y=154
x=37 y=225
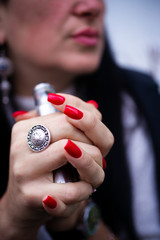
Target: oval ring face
x=38 y=138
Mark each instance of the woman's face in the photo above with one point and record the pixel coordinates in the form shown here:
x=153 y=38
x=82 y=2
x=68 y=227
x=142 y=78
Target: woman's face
x=65 y=34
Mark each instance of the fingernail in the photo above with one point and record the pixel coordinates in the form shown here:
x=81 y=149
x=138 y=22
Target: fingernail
x=56 y=99
x=72 y=149
x=104 y=163
x=50 y=202
x=94 y=103
x=18 y=113
x=73 y=112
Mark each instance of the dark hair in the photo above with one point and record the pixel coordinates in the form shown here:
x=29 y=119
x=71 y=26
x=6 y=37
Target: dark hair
x=4 y=1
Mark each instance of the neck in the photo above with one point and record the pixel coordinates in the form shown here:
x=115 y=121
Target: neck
x=25 y=79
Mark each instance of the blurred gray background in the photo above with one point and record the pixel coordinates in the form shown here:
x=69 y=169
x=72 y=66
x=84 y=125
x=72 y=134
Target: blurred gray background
x=133 y=27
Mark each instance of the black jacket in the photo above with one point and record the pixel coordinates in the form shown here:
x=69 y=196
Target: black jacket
x=104 y=86
x=114 y=196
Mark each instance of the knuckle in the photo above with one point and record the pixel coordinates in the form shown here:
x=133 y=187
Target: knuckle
x=88 y=164
x=90 y=121
x=18 y=172
x=28 y=196
x=75 y=101
x=100 y=115
x=91 y=108
x=100 y=179
x=17 y=136
x=16 y=145
x=15 y=129
x=17 y=126
x=110 y=139
x=108 y=143
x=96 y=153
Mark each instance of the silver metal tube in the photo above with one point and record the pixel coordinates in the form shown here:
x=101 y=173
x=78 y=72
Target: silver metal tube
x=43 y=107
x=40 y=94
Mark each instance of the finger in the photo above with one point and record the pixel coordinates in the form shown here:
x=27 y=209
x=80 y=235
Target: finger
x=93 y=128
x=57 y=208
x=74 y=101
x=22 y=115
x=86 y=159
x=69 y=193
x=54 y=157
x=94 y=103
x=53 y=205
x=85 y=162
x=67 y=215
x=62 y=195
x=89 y=120
x=57 y=125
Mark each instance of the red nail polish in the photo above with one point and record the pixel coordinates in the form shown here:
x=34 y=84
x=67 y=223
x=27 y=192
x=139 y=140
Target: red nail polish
x=56 y=99
x=73 y=112
x=18 y=113
x=104 y=163
x=94 y=103
x=50 y=202
x=72 y=149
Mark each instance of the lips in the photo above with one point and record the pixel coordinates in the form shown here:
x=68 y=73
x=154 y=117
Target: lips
x=87 y=37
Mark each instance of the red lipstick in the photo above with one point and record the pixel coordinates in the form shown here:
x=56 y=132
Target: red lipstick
x=87 y=37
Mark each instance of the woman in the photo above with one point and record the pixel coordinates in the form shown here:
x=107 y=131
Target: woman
x=63 y=43
x=52 y=41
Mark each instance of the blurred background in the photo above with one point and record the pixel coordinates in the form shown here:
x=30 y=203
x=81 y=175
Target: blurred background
x=134 y=31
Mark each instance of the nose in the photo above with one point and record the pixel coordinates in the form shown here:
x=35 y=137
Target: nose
x=88 y=8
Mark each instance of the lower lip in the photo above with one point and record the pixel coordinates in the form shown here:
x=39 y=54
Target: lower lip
x=86 y=41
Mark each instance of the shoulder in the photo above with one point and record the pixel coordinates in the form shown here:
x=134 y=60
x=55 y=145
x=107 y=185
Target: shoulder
x=141 y=84
x=138 y=78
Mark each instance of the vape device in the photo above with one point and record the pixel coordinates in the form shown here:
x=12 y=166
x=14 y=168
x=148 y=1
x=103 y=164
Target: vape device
x=40 y=93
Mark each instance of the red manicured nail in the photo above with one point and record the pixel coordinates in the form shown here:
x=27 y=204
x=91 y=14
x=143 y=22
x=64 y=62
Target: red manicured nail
x=72 y=149
x=18 y=113
x=104 y=163
x=56 y=99
x=94 y=103
x=73 y=112
x=50 y=202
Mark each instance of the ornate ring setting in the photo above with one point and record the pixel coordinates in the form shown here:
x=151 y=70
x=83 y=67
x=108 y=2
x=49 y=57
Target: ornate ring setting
x=38 y=138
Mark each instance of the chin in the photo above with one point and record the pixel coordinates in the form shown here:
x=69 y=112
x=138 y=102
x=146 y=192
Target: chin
x=85 y=62
x=86 y=68
x=83 y=65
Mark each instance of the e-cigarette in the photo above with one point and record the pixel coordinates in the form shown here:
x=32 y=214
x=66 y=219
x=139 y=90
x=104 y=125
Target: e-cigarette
x=40 y=93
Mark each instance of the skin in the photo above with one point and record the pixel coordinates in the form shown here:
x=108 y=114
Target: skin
x=40 y=42
x=38 y=35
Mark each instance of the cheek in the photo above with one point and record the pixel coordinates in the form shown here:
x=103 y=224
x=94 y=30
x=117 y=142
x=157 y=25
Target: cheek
x=33 y=47
x=31 y=17
x=32 y=10
x=30 y=32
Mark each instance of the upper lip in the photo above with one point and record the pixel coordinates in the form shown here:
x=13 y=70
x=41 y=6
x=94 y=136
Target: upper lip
x=88 y=32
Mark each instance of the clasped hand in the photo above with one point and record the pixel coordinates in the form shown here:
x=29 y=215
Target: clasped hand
x=77 y=126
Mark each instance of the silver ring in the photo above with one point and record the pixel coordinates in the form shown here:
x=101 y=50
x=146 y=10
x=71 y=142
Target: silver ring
x=38 y=138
